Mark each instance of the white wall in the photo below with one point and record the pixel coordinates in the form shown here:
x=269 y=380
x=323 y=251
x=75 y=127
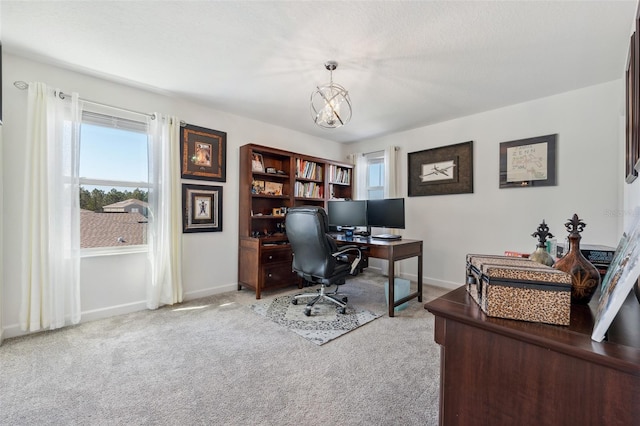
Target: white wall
x=113 y=284
x=589 y=124
x=491 y=220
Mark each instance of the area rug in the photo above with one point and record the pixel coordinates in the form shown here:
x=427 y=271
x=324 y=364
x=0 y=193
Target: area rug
x=324 y=324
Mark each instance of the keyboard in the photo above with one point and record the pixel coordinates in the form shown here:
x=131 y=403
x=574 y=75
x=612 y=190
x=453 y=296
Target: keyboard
x=387 y=237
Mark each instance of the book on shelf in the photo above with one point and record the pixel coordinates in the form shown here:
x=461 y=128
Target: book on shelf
x=594 y=253
x=309 y=190
x=339 y=174
x=308 y=169
x=512 y=253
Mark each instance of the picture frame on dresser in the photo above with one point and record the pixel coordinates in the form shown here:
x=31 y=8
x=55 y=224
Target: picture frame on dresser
x=622 y=275
x=202 y=208
x=204 y=153
x=632 y=116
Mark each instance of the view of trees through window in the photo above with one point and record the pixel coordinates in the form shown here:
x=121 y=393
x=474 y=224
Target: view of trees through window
x=95 y=199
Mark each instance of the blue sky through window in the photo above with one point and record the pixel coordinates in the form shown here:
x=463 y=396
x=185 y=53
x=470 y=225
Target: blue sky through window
x=113 y=154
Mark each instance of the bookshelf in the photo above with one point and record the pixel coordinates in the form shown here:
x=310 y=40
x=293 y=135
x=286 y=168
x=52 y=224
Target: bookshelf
x=282 y=180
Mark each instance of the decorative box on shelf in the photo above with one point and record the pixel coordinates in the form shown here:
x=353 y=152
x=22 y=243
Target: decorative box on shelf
x=518 y=288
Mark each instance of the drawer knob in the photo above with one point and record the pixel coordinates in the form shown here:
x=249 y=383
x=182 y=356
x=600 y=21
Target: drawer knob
x=270 y=275
x=270 y=257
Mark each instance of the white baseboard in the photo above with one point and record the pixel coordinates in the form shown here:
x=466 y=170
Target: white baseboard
x=210 y=291
x=14 y=330
x=430 y=281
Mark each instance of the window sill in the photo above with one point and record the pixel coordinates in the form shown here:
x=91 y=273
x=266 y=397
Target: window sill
x=112 y=251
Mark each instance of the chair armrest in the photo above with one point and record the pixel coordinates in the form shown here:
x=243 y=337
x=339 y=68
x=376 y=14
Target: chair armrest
x=346 y=249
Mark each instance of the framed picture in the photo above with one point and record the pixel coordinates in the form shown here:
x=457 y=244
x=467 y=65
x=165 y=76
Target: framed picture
x=632 y=145
x=620 y=278
x=257 y=187
x=257 y=162
x=202 y=208
x=443 y=170
x=204 y=153
x=273 y=188
x=528 y=162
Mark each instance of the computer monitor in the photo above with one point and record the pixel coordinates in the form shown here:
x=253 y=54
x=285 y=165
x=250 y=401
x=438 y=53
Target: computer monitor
x=386 y=213
x=347 y=213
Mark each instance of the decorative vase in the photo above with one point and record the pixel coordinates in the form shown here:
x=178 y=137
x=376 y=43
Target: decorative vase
x=541 y=255
x=585 y=278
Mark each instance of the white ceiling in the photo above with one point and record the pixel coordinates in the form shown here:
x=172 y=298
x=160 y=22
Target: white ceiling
x=406 y=64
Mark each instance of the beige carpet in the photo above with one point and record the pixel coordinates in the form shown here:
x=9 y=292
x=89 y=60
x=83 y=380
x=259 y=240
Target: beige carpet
x=213 y=361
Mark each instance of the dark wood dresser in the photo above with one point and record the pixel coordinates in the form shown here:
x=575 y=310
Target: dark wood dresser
x=503 y=372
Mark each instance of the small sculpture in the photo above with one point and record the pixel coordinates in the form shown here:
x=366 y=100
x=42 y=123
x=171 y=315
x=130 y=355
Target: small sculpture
x=585 y=278
x=541 y=255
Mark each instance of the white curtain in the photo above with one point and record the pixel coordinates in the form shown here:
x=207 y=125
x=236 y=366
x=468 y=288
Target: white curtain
x=164 y=232
x=359 y=191
x=391 y=180
x=50 y=270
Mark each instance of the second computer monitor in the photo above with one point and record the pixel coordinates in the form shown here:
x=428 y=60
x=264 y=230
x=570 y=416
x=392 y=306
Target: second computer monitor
x=386 y=213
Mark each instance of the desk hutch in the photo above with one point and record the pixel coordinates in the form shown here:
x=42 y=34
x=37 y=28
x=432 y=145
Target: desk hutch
x=287 y=179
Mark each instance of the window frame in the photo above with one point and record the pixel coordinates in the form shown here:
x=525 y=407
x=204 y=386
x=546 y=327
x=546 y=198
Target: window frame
x=371 y=159
x=112 y=118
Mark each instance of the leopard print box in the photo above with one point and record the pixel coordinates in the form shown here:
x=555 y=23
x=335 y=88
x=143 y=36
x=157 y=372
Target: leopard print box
x=520 y=289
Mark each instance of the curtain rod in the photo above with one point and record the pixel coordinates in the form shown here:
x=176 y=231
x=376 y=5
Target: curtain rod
x=395 y=148
x=22 y=85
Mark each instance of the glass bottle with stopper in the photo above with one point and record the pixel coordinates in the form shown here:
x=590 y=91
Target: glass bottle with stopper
x=585 y=278
x=541 y=255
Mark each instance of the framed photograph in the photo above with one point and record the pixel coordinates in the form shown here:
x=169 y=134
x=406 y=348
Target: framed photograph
x=257 y=187
x=202 y=208
x=528 y=162
x=272 y=188
x=204 y=153
x=439 y=171
x=257 y=163
x=620 y=278
x=632 y=145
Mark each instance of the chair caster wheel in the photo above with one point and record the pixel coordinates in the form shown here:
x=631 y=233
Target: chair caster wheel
x=342 y=311
x=294 y=301
x=307 y=312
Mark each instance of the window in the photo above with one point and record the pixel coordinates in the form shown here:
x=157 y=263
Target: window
x=113 y=181
x=375 y=175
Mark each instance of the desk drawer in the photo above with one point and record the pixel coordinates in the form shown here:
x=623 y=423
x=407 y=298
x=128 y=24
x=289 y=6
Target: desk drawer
x=276 y=255
x=278 y=274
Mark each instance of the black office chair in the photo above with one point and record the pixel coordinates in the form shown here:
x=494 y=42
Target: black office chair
x=316 y=257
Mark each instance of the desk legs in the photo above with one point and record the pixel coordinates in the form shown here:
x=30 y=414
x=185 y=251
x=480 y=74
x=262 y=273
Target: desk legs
x=392 y=275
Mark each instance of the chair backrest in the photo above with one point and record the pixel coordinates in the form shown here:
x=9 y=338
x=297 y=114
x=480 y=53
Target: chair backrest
x=307 y=230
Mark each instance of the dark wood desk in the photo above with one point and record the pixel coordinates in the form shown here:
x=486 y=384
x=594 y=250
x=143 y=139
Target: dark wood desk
x=503 y=372
x=391 y=250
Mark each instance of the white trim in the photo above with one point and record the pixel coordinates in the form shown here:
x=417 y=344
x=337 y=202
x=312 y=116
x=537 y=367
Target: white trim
x=112 y=311
x=113 y=183
x=112 y=251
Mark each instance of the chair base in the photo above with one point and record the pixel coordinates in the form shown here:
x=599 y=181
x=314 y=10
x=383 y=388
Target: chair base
x=321 y=294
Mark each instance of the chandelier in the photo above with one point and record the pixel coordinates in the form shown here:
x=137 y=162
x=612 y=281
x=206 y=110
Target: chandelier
x=330 y=104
